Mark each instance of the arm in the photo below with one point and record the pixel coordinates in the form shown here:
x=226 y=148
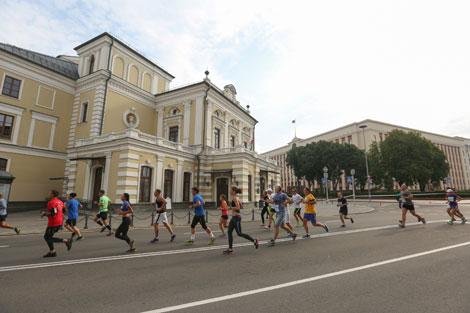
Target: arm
x=237 y=204
x=52 y=212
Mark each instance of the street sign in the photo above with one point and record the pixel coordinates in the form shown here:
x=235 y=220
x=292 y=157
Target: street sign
x=353 y=171
x=323 y=180
x=349 y=180
x=449 y=180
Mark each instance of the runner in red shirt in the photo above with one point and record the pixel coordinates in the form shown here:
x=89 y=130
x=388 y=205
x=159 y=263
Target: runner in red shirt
x=54 y=214
x=224 y=218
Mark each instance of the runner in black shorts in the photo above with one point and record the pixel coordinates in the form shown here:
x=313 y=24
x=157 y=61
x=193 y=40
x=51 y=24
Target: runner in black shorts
x=343 y=209
x=199 y=216
x=407 y=200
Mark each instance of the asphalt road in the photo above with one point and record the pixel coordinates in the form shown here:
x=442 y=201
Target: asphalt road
x=369 y=266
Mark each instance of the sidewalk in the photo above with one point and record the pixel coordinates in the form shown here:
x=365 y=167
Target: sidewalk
x=31 y=223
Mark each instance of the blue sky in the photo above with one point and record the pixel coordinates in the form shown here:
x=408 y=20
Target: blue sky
x=322 y=63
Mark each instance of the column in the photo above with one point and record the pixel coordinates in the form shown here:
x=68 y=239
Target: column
x=198 y=122
x=240 y=139
x=209 y=124
x=179 y=181
x=107 y=169
x=160 y=122
x=159 y=183
x=186 y=122
x=86 y=185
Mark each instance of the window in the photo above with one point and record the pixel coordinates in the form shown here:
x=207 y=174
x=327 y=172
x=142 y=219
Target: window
x=381 y=136
x=3 y=164
x=350 y=140
x=216 y=138
x=337 y=140
x=173 y=134
x=250 y=188
x=245 y=144
x=168 y=184
x=186 y=186
x=84 y=112
x=11 y=87
x=6 y=124
x=145 y=184
x=232 y=141
x=343 y=140
x=92 y=64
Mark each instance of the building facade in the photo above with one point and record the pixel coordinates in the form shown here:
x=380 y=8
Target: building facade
x=456 y=149
x=107 y=119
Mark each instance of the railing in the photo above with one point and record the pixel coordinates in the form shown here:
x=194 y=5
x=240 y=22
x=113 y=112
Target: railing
x=239 y=149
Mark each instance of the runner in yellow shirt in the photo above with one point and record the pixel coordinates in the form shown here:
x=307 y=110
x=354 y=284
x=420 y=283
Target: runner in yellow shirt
x=310 y=212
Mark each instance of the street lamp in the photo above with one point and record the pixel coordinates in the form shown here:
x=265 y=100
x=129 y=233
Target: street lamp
x=353 y=171
x=363 y=126
x=325 y=176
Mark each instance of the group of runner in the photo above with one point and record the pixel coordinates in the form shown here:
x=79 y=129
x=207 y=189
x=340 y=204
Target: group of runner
x=275 y=209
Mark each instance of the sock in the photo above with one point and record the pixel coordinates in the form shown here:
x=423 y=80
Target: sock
x=211 y=235
x=108 y=227
x=99 y=223
x=193 y=236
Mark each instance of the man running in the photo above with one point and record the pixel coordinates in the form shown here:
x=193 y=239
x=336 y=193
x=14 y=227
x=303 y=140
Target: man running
x=160 y=216
x=3 y=216
x=71 y=224
x=281 y=200
x=271 y=210
x=297 y=199
x=102 y=216
x=54 y=215
x=343 y=209
x=453 y=207
x=407 y=205
x=310 y=214
x=199 y=216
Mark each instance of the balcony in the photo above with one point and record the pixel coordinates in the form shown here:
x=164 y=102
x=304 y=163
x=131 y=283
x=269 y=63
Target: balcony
x=239 y=149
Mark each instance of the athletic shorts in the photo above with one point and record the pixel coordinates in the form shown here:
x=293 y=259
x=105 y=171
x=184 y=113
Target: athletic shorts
x=102 y=215
x=3 y=218
x=343 y=211
x=409 y=207
x=310 y=217
x=71 y=221
x=297 y=210
x=199 y=219
x=225 y=217
x=160 y=218
x=454 y=206
x=280 y=218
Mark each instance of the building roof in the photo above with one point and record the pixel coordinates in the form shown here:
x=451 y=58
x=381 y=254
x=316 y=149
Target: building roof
x=125 y=45
x=61 y=66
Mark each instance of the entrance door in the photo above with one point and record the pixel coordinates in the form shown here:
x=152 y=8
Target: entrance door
x=222 y=189
x=262 y=185
x=97 y=185
x=168 y=184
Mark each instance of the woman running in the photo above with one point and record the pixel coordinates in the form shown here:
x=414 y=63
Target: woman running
x=236 y=222
x=265 y=210
x=125 y=211
x=224 y=218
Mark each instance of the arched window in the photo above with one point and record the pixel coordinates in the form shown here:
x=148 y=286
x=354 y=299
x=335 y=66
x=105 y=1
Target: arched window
x=92 y=64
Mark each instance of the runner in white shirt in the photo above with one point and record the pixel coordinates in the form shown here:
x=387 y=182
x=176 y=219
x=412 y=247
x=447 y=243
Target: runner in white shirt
x=297 y=199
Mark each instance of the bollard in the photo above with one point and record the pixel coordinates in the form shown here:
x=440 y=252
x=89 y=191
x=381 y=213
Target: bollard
x=86 y=221
x=153 y=215
x=171 y=215
x=253 y=214
x=189 y=216
x=207 y=217
x=132 y=219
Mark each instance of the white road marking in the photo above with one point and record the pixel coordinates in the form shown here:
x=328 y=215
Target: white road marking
x=190 y=250
x=4 y=246
x=203 y=232
x=303 y=281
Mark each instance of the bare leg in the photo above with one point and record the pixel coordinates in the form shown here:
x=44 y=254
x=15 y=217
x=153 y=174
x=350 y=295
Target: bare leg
x=167 y=226
x=155 y=228
x=5 y=225
x=341 y=216
x=305 y=226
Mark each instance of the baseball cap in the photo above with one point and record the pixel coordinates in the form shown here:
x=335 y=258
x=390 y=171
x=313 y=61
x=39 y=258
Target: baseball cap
x=450 y=190
x=269 y=190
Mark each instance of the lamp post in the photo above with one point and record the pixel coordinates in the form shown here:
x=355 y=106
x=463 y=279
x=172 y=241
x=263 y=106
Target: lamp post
x=363 y=126
x=325 y=176
x=353 y=171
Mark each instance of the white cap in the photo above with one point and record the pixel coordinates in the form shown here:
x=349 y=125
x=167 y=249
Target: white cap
x=269 y=190
x=450 y=190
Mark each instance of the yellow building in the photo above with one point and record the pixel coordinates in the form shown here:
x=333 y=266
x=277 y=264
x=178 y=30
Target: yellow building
x=107 y=119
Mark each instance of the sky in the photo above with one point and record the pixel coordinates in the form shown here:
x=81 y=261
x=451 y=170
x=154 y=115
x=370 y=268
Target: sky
x=324 y=64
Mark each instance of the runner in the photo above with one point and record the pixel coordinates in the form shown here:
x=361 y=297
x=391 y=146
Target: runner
x=54 y=215
x=281 y=200
x=224 y=218
x=310 y=214
x=343 y=209
x=453 y=207
x=102 y=216
x=3 y=216
x=199 y=217
x=71 y=224
x=125 y=212
x=265 y=210
x=236 y=221
x=160 y=216
x=297 y=199
x=287 y=217
x=407 y=205
x=270 y=209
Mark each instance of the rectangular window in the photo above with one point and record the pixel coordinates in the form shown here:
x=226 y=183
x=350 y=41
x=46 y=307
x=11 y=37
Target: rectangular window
x=245 y=145
x=186 y=186
x=3 y=164
x=216 y=138
x=232 y=141
x=350 y=140
x=168 y=184
x=343 y=140
x=11 y=87
x=250 y=188
x=145 y=184
x=173 y=134
x=6 y=125
x=84 y=112
x=337 y=140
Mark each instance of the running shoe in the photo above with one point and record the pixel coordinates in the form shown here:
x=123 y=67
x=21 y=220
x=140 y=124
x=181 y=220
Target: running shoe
x=401 y=225
x=256 y=242
x=69 y=244
x=50 y=255
x=450 y=222
x=464 y=220
x=102 y=229
x=110 y=233
x=189 y=241
x=131 y=245
x=423 y=220
x=17 y=230
x=228 y=251
x=289 y=235
x=80 y=238
x=272 y=242
x=352 y=221
x=298 y=224
x=131 y=250
x=267 y=227
x=211 y=241
x=325 y=227
x=306 y=236
x=343 y=225
x=172 y=237
x=154 y=240
x=294 y=235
